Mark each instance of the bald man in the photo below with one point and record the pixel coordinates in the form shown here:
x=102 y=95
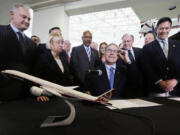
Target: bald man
x=83 y=58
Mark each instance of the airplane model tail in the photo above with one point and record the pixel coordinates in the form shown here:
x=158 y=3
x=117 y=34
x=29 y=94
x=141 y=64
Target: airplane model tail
x=105 y=97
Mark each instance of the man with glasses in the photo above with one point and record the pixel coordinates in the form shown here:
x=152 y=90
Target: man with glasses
x=113 y=75
x=83 y=58
x=133 y=52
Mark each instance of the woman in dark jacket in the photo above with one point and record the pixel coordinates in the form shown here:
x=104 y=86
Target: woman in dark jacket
x=52 y=66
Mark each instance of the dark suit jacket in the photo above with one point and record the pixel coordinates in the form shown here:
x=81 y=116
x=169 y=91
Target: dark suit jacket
x=99 y=84
x=42 y=49
x=48 y=69
x=175 y=36
x=137 y=52
x=12 y=57
x=80 y=62
x=157 y=67
x=139 y=88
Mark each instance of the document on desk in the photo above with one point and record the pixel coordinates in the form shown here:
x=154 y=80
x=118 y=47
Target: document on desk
x=175 y=98
x=130 y=103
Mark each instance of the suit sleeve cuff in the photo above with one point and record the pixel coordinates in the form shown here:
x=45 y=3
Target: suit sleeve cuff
x=157 y=82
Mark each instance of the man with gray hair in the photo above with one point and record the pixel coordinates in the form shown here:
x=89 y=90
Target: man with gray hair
x=17 y=52
x=134 y=55
x=113 y=76
x=128 y=41
x=67 y=48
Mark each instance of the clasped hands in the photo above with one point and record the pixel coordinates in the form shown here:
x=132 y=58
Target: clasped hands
x=168 y=85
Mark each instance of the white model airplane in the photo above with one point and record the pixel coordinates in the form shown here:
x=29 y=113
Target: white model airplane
x=47 y=88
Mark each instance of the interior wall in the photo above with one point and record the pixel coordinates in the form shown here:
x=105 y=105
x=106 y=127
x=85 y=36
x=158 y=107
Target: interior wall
x=45 y=19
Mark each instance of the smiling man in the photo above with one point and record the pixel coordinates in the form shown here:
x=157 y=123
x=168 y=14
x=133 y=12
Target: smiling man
x=113 y=75
x=161 y=62
x=17 y=52
x=83 y=58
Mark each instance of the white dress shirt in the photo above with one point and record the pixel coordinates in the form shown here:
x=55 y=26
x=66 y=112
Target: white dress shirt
x=108 y=69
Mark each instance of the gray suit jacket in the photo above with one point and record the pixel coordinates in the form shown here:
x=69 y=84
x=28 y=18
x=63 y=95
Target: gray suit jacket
x=80 y=62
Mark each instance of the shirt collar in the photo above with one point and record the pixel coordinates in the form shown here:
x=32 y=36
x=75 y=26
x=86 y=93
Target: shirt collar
x=109 y=66
x=86 y=46
x=16 y=30
x=160 y=40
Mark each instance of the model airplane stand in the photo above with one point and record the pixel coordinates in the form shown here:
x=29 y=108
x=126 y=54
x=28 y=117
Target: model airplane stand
x=63 y=120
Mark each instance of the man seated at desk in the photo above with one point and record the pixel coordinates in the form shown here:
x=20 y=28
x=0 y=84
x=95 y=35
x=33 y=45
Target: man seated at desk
x=116 y=73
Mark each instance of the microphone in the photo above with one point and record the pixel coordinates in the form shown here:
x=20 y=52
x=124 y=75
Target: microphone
x=98 y=72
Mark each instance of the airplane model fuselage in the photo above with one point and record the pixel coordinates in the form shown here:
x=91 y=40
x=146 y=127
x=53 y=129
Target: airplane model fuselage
x=56 y=89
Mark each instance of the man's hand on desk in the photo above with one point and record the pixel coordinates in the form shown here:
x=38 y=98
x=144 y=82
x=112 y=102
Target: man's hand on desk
x=171 y=83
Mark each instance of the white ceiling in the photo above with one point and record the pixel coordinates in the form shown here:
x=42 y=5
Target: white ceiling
x=44 y=3
x=145 y=9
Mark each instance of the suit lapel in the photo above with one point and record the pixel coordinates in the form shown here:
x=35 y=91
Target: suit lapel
x=105 y=77
x=12 y=33
x=135 y=52
x=92 y=55
x=52 y=63
x=83 y=51
x=158 y=49
x=14 y=42
x=116 y=80
x=172 y=49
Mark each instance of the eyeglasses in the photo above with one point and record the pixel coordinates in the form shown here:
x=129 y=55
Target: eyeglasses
x=111 y=51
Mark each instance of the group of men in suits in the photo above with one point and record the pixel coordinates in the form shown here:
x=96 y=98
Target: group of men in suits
x=157 y=67
x=122 y=69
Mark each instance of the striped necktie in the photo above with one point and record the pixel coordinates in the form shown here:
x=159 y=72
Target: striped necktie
x=165 y=48
x=88 y=50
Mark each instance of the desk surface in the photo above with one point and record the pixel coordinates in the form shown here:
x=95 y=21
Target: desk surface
x=23 y=117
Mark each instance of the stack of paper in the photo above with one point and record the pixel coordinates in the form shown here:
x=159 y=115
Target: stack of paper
x=175 y=98
x=130 y=103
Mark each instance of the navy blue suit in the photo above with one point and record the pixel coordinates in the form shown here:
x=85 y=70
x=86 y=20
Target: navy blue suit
x=156 y=66
x=123 y=81
x=175 y=36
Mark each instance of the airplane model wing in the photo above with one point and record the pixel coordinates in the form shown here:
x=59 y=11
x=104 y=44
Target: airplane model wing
x=57 y=90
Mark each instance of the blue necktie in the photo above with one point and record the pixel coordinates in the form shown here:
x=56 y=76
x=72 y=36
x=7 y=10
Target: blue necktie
x=111 y=75
x=88 y=50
